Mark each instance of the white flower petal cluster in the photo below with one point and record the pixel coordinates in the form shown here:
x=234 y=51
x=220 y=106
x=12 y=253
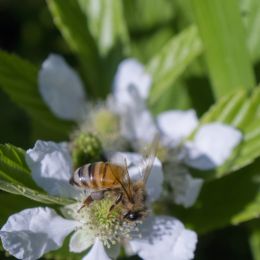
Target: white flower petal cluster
x=212 y=144
x=33 y=232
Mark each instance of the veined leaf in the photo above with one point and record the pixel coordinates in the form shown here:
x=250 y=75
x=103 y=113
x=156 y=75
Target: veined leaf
x=233 y=199
x=13 y=167
x=240 y=110
x=32 y=194
x=18 y=79
x=171 y=61
x=106 y=23
x=72 y=23
x=223 y=37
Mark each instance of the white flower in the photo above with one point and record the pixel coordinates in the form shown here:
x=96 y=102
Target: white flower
x=212 y=144
x=33 y=232
x=211 y=147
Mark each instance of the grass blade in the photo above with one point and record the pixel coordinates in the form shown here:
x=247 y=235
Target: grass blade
x=223 y=37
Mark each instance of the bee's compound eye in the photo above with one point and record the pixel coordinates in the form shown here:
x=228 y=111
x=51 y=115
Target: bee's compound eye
x=133 y=216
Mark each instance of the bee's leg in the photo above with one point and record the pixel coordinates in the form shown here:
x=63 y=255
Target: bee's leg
x=86 y=202
x=118 y=199
x=96 y=195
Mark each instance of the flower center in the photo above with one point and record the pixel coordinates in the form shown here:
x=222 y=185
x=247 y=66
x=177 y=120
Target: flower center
x=106 y=122
x=107 y=225
x=102 y=121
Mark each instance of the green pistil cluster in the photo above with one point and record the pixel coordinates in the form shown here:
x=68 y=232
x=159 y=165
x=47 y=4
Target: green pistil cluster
x=101 y=214
x=86 y=148
x=107 y=225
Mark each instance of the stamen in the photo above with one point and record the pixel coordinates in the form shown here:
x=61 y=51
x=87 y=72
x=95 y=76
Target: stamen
x=108 y=226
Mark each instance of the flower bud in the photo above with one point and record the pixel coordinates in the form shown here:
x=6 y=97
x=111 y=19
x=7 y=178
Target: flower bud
x=86 y=148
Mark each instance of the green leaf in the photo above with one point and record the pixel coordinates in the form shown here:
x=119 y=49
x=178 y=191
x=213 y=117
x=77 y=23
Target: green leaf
x=72 y=23
x=146 y=15
x=33 y=194
x=13 y=167
x=145 y=47
x=107 y=24
x=18 y=79
x=250 y=10
x=233 y=199
x=255 y=240
x=223 y=37
x=176 y=97
x=240 y=110
x=168 y=64
x=184 y=9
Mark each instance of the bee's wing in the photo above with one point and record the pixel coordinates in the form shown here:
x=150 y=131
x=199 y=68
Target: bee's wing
x=149 y=157
x=123 y=178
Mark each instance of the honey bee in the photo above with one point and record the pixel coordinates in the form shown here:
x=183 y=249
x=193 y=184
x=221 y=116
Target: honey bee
x=102 y=177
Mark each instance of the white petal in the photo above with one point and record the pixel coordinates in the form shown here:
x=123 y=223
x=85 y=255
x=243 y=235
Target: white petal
x=138 y=126
x=136 y=164
x=80 y=241
x=186 y=189
x=131 y=74
x=165 y=238
x=212 y=146
x=61 y=88
x=33 y=232
x=51 y=168
x=155 y=181
x=136 y=122
x=176 y=125
x=97 y=252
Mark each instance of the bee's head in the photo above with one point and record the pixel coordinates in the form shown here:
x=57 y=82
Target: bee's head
x=135 y=208
x=134 y=215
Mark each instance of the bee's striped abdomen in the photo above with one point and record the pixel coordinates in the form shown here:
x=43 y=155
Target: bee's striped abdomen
x=99 y=176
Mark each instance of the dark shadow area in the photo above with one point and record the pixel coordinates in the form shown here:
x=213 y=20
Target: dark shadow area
x=257 y=72
x=223 y=199
x=226 y=244
x=200 y=93
x=15 y=125
x=9 y=29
